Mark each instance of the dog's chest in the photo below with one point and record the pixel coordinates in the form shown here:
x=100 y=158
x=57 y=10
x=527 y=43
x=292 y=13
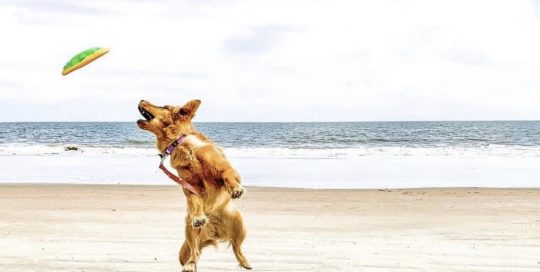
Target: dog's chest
x=194 y=142
x=184 y=155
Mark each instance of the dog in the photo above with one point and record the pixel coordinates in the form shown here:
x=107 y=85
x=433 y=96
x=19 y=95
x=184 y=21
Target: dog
x=212 y=217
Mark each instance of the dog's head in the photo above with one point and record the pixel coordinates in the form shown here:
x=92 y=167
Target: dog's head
x=167 y=121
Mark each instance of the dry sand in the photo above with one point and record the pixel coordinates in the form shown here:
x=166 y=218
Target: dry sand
x=140 y=228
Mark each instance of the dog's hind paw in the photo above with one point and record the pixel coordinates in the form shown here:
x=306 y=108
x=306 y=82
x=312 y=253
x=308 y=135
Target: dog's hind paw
x=199 y=222
x=246 y=266
x=190 y=267
x=237 y=192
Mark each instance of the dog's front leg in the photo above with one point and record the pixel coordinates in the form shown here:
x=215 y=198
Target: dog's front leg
x=195 y=203
x=196 y=214
x=231 y=178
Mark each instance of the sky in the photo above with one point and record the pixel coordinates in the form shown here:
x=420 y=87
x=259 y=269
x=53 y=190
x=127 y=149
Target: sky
x=273 y=60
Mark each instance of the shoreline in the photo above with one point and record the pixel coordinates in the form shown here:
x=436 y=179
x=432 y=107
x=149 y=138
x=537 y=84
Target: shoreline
x=397 y=189
x=109 y=228
x=357 y=173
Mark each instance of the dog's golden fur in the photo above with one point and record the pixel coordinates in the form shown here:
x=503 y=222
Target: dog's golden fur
x=212 y=216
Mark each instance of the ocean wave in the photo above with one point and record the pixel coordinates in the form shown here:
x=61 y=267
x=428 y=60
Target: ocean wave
x=343 y=153
x=40 y=150
x=280 y=153
x=140 y=142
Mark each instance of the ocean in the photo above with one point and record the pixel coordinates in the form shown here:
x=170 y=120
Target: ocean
x=310 y=155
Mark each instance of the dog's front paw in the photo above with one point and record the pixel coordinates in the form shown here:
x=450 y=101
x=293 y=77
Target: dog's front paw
x=199 y=222
x=190 y=267
x=237 y=192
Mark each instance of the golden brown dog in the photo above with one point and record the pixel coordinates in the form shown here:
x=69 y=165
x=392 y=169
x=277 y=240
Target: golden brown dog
x=212 y=216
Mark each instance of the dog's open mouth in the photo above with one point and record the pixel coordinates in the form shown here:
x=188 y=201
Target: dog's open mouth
x=146 y=114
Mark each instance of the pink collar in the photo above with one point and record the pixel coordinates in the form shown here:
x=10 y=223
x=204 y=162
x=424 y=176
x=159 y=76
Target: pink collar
x=172 y=146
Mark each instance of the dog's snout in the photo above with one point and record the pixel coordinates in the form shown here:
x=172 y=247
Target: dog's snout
x=143 y=103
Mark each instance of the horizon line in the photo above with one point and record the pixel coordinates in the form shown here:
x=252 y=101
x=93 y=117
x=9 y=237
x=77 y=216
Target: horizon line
x=363 y=121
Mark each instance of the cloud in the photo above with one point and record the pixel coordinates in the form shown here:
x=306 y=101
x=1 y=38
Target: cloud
x=58 y=6
x=536 y=5
x=257 y=40
x=467 y=57
x=274 y=61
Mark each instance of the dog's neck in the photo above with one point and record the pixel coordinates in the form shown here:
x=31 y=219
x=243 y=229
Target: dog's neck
x=164 y=142
x=171 y=134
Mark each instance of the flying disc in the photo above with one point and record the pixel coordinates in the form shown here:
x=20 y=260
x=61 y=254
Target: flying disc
x=82 y=59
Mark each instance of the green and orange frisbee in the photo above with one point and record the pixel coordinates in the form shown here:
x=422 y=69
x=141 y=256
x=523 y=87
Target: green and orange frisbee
x=82 y=59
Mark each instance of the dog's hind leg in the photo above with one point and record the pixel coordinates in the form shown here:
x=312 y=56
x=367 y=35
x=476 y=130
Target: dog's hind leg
x=238 y=236
x=184 y=253
x=190 y=251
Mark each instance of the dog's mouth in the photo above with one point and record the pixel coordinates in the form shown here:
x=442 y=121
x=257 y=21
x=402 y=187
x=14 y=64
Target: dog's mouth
x=146 y=114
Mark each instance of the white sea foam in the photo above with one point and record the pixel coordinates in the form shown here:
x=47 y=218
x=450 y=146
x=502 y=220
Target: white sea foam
x=283 y=153
x=40 y=150
x=359 y=172
x=344 y=153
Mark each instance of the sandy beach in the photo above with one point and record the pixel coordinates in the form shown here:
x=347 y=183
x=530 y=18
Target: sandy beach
x=140 y=228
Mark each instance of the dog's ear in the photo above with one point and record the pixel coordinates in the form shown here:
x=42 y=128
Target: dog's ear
x=190 y=108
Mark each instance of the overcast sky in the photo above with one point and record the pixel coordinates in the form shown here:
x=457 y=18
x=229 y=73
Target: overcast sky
x=273 y=60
